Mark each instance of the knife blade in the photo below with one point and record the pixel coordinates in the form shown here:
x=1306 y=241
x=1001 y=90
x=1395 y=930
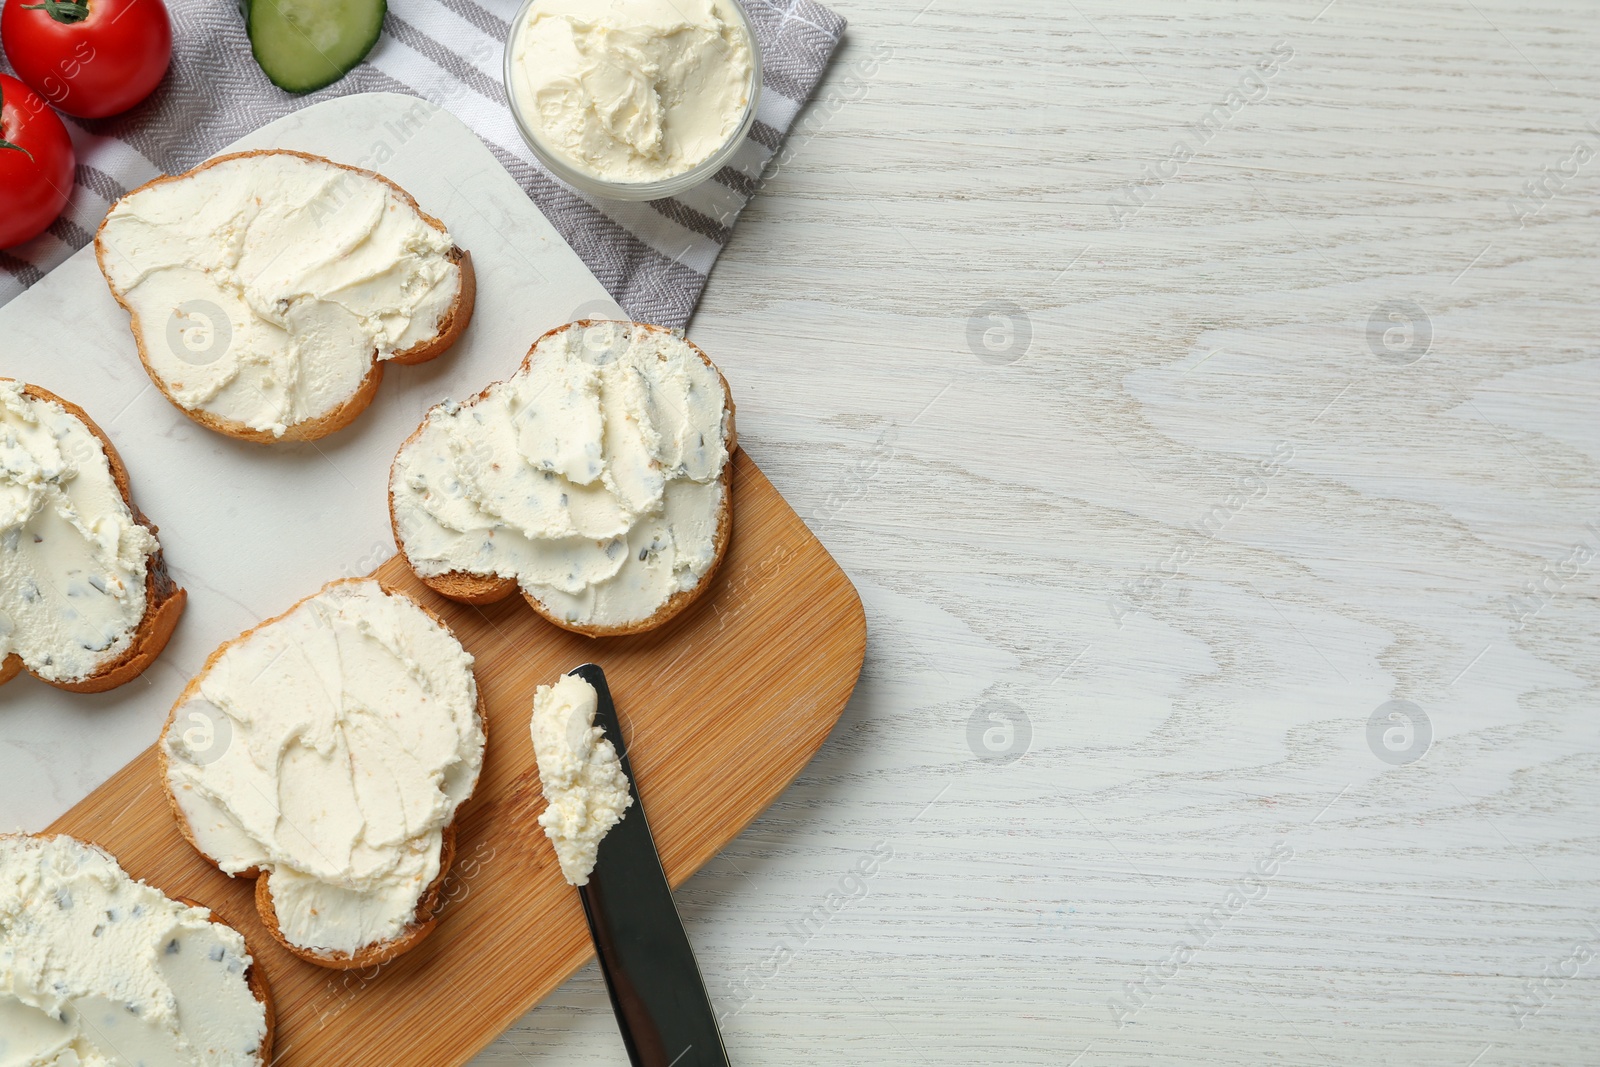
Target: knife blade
x=656 y=989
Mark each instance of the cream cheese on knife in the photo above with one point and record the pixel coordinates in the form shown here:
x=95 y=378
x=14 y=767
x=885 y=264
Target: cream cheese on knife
x=585 y=791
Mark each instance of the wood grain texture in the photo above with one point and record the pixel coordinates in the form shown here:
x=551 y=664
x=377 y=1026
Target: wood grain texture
x=721 y=707
x=989 y=513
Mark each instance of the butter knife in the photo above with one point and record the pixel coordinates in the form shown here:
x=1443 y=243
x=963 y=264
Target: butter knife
x=655 y=985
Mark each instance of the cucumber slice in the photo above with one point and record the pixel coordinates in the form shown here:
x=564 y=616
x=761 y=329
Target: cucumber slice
x=303 y=45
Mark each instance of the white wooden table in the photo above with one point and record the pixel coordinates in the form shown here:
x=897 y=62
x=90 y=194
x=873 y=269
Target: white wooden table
x=1198 y=512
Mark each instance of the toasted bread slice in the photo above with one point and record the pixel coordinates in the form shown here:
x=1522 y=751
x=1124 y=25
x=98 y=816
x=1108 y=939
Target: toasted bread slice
x=470 y=588
x=429 y=903
x=164 y=599
x=254 y=979
x=451 y=323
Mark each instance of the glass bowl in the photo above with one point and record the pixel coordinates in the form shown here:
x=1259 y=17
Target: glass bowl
x=603 y=188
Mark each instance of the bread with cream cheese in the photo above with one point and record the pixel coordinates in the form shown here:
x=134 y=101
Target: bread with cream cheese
x=103 y=966
x=415 y=495
x=382 y=833
x=24 y=514
x=267 y=289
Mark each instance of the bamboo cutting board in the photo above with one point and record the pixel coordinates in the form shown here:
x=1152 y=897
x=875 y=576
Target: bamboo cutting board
x=722 y=708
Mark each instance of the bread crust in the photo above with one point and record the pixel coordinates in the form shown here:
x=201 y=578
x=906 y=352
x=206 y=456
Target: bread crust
x=451 y=326
x=164 y=598
x=252 y=975
x=469 y=588
x=427 y=905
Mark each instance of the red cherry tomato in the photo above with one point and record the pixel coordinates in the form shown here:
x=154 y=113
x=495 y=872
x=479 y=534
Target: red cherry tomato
x=36 y=163
x=90 y=58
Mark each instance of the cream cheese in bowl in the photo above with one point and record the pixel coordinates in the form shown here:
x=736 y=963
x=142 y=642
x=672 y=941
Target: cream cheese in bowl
x=632 y=99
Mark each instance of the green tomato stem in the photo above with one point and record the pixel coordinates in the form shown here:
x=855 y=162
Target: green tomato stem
x=5 y=145
x=67 y=11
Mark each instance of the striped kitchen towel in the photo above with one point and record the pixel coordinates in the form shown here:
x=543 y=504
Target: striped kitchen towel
x=654 y=258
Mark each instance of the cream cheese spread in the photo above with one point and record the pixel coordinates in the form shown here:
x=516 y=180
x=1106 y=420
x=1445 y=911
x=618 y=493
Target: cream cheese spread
x=263 y=287
x=585 y=791
x=330 y=748
x=73 y=560
x=592 y=476
x=632 y=90
x=98 y=970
